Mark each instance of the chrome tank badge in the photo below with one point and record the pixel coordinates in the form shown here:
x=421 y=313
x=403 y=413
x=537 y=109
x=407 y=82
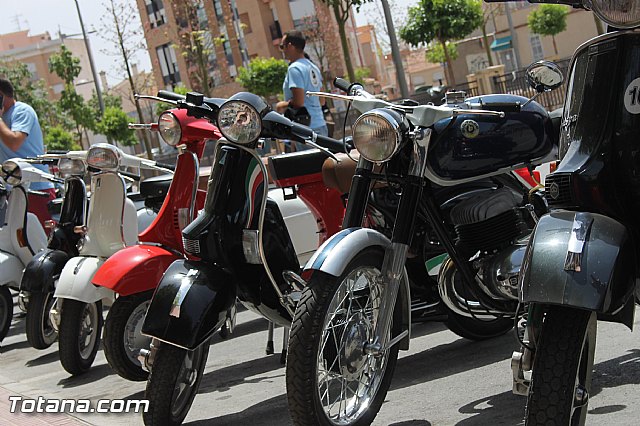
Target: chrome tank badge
x=470 y=129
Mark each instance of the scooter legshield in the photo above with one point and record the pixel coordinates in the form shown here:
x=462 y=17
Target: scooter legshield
x=190 y=303
x=75 y=281
x=10 y=270
x=43 y=270
x=134 y=269
x=607 y=272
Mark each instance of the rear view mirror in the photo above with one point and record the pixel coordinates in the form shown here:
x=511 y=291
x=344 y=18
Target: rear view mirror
x=544 y=76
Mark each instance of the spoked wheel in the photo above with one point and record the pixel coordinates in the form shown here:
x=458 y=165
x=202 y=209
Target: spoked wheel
x=40 y=331
x=562 y=368
x=6 y=311
x=123 y=337
x=173 y=383
x=331 y=379
x=80 y=330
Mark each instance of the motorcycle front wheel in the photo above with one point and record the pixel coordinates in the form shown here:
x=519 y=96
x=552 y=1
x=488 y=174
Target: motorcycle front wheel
x=123 y=337
x=6 y=311
x=562 y=368
x=173 y=383
x=79 y=336
x=40 y=331
x=331 y=380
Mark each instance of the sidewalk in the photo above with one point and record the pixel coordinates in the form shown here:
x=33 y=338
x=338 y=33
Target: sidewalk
x=31 y=419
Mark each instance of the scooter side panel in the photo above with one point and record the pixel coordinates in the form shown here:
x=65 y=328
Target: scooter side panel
x=607 y=271
x=190 y=303
x=75 y=281
x=134 y=269
x=10 y=269
x=43 y=270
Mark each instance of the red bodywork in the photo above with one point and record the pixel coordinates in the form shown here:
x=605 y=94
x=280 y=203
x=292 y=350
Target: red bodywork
x=139 y=268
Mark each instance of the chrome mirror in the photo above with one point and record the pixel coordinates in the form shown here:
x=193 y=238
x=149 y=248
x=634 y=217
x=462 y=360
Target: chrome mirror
x=544 y=76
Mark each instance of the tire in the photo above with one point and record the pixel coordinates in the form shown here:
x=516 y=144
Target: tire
x=123 y=338
x=562 y=361
x=476 y=329
x=166 y=405
x=40 y=331
x=6 y=311
x=306 y=357
x=79 y=335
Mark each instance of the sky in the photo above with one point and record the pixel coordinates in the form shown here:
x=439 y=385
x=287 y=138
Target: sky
x=60 y=15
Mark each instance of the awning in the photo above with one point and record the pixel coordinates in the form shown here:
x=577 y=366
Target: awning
x=501 y=43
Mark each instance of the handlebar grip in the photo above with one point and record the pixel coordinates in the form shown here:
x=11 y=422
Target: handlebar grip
x=502 y=106
x=167 y=166
x=333 y=145
x=165 y=94
x=57 y=151
x=342 y=84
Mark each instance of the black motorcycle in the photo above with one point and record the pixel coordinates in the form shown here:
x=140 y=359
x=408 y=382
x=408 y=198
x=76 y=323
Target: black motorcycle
x=582 y=261
x=450 y=166
x=238 y=246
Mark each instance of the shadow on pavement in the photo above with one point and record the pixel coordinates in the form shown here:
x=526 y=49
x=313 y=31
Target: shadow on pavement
x=412 y=423
x=223 y=379
x=43 y=359
x=273 y=411
x=15 y=346
x=256 y=325
x=93 y=375
x=501 y=409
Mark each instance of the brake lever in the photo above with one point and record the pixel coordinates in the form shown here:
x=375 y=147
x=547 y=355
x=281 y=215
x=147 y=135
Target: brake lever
x=313 y=143
x=154 y=98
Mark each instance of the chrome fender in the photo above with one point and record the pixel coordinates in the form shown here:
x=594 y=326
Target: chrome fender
x=75 y=281
x=338 y=251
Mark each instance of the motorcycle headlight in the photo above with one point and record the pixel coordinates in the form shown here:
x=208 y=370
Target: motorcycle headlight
x=377 y=134
x=169 y=128
x=11 y=172
x=104 y=157
x=239 y=122
x=70 y=167
x=618 y=13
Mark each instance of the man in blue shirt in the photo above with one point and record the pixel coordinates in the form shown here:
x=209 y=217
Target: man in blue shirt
x=302 y=76
x=20 y=137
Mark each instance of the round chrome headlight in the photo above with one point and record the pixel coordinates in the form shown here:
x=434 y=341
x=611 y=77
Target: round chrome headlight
x=70 y=167
x=239 y=122
x=377 y=134
x=169 y=128
x=618 y=13
x=104 y=157
x=11 y=172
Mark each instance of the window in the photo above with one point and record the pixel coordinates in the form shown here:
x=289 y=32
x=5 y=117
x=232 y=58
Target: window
x=507 y=58
x=246 y=23
x=536 y=47
x=155 y=11
x=168 y=64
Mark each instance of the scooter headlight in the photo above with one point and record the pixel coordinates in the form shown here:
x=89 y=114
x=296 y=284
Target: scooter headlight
x=169 y=128
x=618 y=13
x=11 y=172
x=377 y=134
x=71 y=167
x=104 y=157
x=239 y=122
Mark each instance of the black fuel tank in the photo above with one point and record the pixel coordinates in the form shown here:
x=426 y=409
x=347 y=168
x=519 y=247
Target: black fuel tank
x=475 y=145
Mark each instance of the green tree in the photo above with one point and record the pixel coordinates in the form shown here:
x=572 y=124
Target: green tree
x=58 y=138
x=435 y=54
x=549 y=20
x=342 y=11
x=115 y=125
x=362 y=73
x=442 y=21
x=67 y=67
x=263 y=76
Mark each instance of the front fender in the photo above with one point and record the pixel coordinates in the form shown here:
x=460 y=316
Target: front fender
x=134 y=269
x=190 y=303
x=43 y=270
x=75 y=281
x=607 y=270
x=337 y=252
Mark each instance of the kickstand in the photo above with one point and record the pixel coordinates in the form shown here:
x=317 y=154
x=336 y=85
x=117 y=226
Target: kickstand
x=269 y=349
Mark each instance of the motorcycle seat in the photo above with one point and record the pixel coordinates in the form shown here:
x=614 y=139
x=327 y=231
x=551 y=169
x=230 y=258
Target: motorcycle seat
x=338 y=175
x=296 y=167
x=156 y=186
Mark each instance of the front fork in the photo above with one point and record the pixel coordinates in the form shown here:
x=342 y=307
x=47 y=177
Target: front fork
x=522 y=361
x=396 y=255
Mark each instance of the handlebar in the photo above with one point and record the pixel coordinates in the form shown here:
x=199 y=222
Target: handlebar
x=171 y=167
x=170 y=96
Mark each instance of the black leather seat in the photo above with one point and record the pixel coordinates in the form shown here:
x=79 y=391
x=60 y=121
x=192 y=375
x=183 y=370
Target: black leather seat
x=287 y=166
x=156 y=186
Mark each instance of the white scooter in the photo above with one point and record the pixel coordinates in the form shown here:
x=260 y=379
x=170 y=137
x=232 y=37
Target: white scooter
x=111 y=225
x=22 y=235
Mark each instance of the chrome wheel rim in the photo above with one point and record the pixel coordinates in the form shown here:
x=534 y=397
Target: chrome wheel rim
x=48 y=332
x=88 y=330
x=186 y=380
x=133 y=339
x=347 y=377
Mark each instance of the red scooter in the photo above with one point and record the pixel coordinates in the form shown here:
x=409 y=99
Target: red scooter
x=134 y=272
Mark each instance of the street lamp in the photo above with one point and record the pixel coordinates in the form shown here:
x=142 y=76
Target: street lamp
x=91 y=64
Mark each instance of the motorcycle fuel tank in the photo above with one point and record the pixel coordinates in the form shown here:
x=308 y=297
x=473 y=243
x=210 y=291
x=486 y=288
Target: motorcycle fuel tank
x=469 y=146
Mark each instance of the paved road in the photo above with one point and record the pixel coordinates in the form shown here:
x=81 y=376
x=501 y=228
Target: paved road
x=442 y=380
